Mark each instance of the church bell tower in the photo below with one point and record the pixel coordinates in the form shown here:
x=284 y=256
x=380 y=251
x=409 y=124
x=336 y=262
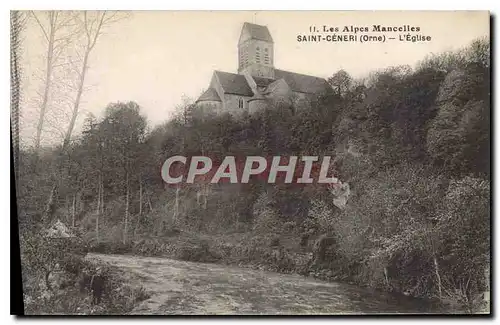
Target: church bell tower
x=256 y=51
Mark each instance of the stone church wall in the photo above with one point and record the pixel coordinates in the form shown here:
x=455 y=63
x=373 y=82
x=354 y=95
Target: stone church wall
x=231 y=104
x=256 y=105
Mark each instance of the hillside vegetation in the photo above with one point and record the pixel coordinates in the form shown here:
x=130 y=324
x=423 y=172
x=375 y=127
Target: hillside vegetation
x=412 y=143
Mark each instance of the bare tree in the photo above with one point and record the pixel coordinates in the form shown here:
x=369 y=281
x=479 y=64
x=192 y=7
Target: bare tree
x=17 y=24
x=56 y=28
x=127 y=207
x=91 y=26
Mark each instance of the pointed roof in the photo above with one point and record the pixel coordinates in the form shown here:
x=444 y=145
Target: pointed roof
x=253 y=31
x=233 y=83
x=209 y=95
x=302 y=83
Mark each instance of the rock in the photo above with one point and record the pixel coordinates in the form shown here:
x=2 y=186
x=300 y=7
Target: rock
x=340 y=192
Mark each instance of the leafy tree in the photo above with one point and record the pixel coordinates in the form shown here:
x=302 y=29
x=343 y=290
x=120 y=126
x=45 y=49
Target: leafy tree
x=341 y=82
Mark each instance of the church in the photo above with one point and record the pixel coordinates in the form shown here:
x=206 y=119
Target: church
x=257 y=83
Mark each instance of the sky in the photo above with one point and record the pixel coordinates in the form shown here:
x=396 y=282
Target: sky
x=157 y=58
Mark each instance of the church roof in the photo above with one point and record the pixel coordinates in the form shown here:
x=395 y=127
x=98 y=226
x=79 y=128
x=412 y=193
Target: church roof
x=258 y=32
x=301 y=82
x=237 y=84
x=233 y=83
x=209 y=95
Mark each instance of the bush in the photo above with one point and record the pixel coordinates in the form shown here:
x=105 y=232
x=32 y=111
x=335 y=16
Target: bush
x=266 y=220
x=61 y=285
x=274 y=241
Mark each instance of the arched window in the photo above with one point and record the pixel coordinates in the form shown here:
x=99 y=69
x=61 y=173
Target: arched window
x=240 y=103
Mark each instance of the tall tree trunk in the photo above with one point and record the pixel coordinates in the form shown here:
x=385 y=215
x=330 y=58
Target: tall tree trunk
x=386 y=276
x=127 y=201
x=149 y=204
x=140 y=196
x=438 y=277
x=140 y=208
x=176 y=204
x=80 y=205
x=47 y=281
x=68 y=210
x=98 y=212
x=487 y=293
x=49 y=209
x=92 y=36
x=47 y=86
x=205 y=196
x=76 y=103
x=91 y=42
x=73 y=212
x=102 y=194
x=50 y=206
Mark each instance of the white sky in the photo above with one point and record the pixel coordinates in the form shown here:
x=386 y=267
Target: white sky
x=156 y=58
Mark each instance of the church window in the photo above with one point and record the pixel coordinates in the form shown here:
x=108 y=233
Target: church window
x=240 y=102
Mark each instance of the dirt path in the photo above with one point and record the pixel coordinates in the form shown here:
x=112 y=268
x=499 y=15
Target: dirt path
x=189 y=288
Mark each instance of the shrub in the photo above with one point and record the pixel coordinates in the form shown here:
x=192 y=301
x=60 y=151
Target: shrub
x=266 y=219
x=274 y=241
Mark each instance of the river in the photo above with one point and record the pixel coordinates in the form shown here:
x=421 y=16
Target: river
x=190 y=288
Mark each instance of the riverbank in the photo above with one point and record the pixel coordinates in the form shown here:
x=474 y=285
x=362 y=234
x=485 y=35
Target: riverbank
x=84 y=287
x=251 y=251
x=193 y=288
